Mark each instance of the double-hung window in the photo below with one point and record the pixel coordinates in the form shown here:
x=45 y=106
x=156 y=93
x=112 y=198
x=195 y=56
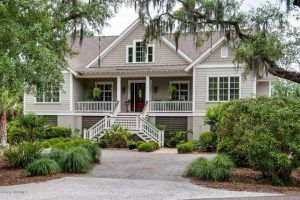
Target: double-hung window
x=106 y=91
x=181 y=90
x=223 y=88
x=47 y=94
x=137 y=53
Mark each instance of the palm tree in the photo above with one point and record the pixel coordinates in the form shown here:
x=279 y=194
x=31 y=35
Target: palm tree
x=9 y=103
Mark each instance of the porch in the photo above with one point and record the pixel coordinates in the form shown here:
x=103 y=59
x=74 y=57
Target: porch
x=135 y=95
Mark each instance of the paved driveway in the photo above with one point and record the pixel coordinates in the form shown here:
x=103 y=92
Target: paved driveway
x=125 y=175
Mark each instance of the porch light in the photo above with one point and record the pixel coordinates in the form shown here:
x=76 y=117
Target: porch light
x=155 y=89
x=123 y=90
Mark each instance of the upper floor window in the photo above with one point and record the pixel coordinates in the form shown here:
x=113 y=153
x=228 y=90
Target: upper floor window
x=106 y=91
x=181 y=92
x=139 y=54
x=48 y=94
x=223 y=88
x=224 y=52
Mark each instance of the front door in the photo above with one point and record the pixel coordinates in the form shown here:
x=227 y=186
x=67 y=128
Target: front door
x=137 y=93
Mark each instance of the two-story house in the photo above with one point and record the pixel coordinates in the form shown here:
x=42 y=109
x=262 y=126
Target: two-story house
x=144 y=86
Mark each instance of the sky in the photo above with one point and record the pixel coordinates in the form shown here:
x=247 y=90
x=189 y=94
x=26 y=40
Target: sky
x=126 y=16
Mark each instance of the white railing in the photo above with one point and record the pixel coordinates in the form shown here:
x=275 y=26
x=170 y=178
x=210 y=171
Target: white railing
x=145 y=110
x=171 y=106
x=95 y=106
x=134 y=124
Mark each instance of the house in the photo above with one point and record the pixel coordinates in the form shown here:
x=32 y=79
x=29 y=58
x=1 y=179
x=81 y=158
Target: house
x=142 y=87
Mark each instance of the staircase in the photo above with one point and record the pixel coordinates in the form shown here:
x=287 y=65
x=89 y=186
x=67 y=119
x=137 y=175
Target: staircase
x=136 y=124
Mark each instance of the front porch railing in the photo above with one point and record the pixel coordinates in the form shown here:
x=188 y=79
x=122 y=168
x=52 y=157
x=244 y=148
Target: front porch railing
x=170 y=106
x=95 y=106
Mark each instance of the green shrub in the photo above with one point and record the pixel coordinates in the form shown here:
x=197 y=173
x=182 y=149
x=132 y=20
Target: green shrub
x=55 y=132
x=256 y=133
x=156 y=145
x=132 y=145
x=217 y=169
x=55 y=154
x=45 y=144
x=43 y=167
x=22 y=155
x=117 y=136
x=213 y=116
x=146 y=147
x=16 y=137
x=94 y=150
x=76 y=160
x=185 y=148
x=208 y=141
x=172 y=138
x=102 y=143
x=139 y=143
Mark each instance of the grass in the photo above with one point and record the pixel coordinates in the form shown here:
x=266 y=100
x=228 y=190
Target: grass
x=43 y=167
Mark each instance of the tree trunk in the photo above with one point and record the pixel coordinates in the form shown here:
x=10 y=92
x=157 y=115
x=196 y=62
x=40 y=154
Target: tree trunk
x=3 y=129
x=285 y=74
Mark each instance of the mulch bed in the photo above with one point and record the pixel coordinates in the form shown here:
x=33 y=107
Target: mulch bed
x=10 y=176
x=245 y=179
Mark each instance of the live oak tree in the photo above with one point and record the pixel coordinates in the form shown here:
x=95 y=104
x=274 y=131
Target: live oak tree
x=264 y=40
x=34 y=37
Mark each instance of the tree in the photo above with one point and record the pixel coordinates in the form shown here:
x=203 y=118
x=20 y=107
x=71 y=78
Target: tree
x=8 y=103
x=34 y=38
x=281 y=87
x=265 y=41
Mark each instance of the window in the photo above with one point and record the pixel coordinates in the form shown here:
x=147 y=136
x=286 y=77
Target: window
x=107 y=91
x=182 y=91
x=224 y=52
x=48 y=94
x=137 y=53
x=223 y=88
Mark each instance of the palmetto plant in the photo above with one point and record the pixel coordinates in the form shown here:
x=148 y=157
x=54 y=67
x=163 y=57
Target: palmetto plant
x=9 y=103
x=117 y=136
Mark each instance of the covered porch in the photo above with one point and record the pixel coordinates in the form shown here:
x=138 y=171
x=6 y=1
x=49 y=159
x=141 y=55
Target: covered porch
x=142 y=94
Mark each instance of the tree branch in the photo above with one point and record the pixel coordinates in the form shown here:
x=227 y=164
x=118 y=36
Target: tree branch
x=285 y=74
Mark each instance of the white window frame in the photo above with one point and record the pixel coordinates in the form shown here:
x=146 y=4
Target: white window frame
x=112 y=88
x=43 y=102
x=218 y=87
x=224 y=52
x=133 y=46
x=182 y=82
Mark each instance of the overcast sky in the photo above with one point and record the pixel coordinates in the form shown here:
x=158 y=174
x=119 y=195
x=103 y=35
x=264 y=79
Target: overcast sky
x=126 y=16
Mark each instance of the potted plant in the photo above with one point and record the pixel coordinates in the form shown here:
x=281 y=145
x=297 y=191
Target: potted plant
x=95 y=94
x=171 y=91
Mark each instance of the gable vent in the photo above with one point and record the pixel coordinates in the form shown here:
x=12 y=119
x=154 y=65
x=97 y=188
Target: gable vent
x=224 y=52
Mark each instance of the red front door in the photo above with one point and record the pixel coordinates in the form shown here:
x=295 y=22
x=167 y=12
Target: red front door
x=137 y=96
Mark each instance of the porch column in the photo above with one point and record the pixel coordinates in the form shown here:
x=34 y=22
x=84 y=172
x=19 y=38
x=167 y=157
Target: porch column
x=147 y=98
x=119 y=93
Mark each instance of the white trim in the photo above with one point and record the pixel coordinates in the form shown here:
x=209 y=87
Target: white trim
x=224 y=52
x=127 y=53
x=24 y=103
x=119 y=93
x=107 y=83
x=206 y=53
x=133 y=46
x=72 y=71
x=71 y=92
x=254 y=87
x=114 y=43
x=172 y=46
x=270 y=88
x=48 y=103
x=205 y=66
x=218 y=95
x=194 y=90
x=129 y=88
x=153 y=53
x=170 y=114
x=73 y=114
x=147 y=89
x=185 y=82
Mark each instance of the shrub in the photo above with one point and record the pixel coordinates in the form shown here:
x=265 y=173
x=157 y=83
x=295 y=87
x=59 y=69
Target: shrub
x=256 y=133
x=201 y=168
x=139 y=143
x=223 y=161
x=172 y=138
x=102 y=143
x=93 y=150
x=55 y=154
x=16 y=137
x=146 y=147
x=212 y=116
x=76 y=160
x=185 y=148
x=45 y=144
x=117 y=136
x=132 y=145
x=208 y=141
x=55 y=132
x=43 y=167
x=156 y=145
x=23 y=154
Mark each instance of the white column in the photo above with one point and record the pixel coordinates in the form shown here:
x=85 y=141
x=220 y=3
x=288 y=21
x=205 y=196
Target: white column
x=147 y=88
x=119 y=93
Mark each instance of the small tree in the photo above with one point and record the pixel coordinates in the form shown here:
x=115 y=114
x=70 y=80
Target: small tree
x=8 y=103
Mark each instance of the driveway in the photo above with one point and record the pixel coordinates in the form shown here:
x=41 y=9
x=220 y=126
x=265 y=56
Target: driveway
x=126 y=175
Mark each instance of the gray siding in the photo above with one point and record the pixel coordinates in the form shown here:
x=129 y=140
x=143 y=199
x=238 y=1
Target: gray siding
x=201 y=85
x=78 y=89
x=262 y=89
x=163 y=54
x=173 y=123
x=62 y=107
x=88 y=121
x=215 y=57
